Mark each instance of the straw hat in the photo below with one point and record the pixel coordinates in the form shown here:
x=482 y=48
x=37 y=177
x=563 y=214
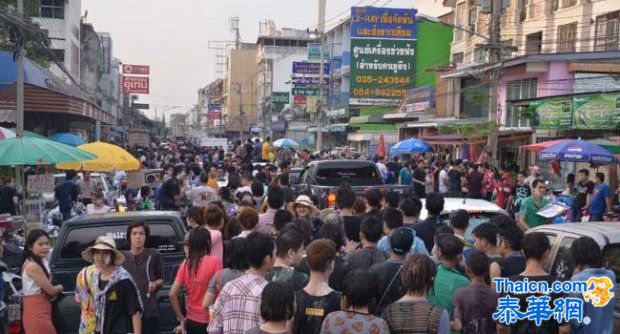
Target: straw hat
x=104 y=243
x=304 y=200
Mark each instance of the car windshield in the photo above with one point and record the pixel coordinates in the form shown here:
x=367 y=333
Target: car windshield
x=354 y=174
x=475 y=219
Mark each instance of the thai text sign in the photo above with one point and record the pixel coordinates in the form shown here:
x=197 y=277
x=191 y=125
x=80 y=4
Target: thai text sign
x=309 y=68
x=381 y=70
x=136 y=69
x=309 y=81
x=137 y=85
x=375 y=22
x=552 y=114
x=280 y=97
x=314 y=51
x=382 y=55
x=596 y=111
x=306 y=91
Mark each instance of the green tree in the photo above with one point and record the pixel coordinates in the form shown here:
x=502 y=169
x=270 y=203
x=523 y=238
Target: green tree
x=35 y=41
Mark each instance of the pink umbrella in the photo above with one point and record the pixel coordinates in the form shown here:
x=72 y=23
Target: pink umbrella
x=6 y=133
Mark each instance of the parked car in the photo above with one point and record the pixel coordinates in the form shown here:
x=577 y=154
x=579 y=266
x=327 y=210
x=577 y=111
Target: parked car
x=75 y=235
x=294 y=175
x=480 y=211
x=110 y=194
x=321 y=178
x=561 y=263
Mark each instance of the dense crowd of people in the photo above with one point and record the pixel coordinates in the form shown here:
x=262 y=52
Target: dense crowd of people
x=262 y=257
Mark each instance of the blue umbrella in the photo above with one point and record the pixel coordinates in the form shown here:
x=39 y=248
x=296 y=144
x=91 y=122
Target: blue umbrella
x=411 y=145
x=68 y=139
x=578 y=151
x=285 y=142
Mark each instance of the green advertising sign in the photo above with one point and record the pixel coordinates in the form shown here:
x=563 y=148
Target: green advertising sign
x=280 y=98
x=597 y=111
x=382 y=71
x=552 y=114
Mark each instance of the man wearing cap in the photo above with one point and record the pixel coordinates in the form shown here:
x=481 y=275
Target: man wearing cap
x=117 y=304
x=389 y=284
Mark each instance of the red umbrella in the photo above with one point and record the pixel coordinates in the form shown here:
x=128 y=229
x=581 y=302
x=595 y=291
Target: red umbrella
x=542 y=145
x=381 y=147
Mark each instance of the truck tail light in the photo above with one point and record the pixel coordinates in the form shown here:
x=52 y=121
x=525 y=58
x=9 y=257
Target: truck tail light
x=15 y=327
x=331 y=200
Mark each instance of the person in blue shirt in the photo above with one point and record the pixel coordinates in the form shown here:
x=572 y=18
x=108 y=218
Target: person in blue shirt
x=404 y=176
x=601 y=199
x=393 y=219
x=589 y=261
x=67 y=193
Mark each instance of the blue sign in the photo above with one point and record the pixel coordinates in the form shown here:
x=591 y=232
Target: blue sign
x=384 y=23
x=310 y=68
x=309 y=81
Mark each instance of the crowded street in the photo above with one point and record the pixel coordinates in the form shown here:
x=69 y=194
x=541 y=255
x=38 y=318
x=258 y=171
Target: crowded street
x=405 y=167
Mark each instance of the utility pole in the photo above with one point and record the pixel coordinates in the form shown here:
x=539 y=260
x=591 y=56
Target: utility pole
x=241 y=113
x=495 y=53
x=19 y=122
x=319 y=107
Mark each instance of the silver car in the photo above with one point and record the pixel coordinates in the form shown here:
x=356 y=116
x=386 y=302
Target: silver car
x=480 y=211
x=110 y=194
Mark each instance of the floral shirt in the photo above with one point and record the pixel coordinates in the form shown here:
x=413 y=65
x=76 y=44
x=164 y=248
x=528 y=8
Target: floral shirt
x=85 y=288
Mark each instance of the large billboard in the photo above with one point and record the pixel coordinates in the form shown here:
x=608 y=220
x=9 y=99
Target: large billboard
x=382 y=55
x=594 y=111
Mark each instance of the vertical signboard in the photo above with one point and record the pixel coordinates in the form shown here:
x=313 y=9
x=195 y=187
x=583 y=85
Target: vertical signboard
x=382 y=55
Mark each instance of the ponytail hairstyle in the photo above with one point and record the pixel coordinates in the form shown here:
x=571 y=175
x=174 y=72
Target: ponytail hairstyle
x=199 y=246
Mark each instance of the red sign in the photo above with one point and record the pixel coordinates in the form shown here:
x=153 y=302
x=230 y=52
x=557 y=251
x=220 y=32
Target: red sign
x=299 y=99
x=137 y=85
x=136 y=69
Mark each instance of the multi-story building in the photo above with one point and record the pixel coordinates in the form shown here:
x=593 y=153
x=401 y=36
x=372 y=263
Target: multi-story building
x=239 y=109
x=61 y=20
x=562 y=50
x=361 y=126
x=277 y=50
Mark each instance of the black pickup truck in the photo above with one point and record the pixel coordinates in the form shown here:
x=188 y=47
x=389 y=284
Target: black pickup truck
x=321 y=178
x=167 y=231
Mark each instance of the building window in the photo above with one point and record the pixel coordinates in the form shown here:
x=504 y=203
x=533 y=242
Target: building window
x=568 y=3
x=522 y=10
x=473 y=17
x=533 y=43
x=480 y=55
x=506 y=52
x=607 y=35
x=515 y=91
x=54 y=9
x=58 y=55
x=461 y=19
x=566 y=37
x=457 y=58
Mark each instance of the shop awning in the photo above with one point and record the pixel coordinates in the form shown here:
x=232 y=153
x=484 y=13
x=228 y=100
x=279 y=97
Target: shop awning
x=594 y=67
x=378 y=118
x=457 y=139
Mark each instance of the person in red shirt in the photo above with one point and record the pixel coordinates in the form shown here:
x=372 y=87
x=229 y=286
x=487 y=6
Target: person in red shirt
x=504 y=191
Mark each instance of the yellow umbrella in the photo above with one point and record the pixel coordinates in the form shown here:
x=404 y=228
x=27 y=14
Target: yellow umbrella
x=109 y=157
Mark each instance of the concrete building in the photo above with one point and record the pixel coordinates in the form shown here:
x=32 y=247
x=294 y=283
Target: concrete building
x=61 y=19
x=239 y=109
x=565 y=50
x=277 y=50
x=361 y=126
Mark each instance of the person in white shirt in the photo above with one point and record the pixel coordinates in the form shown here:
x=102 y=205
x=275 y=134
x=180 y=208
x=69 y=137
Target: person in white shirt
x=382 y=167
x=97 y=206
x=443 y=179
x=246 y=182
x=202 y=195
